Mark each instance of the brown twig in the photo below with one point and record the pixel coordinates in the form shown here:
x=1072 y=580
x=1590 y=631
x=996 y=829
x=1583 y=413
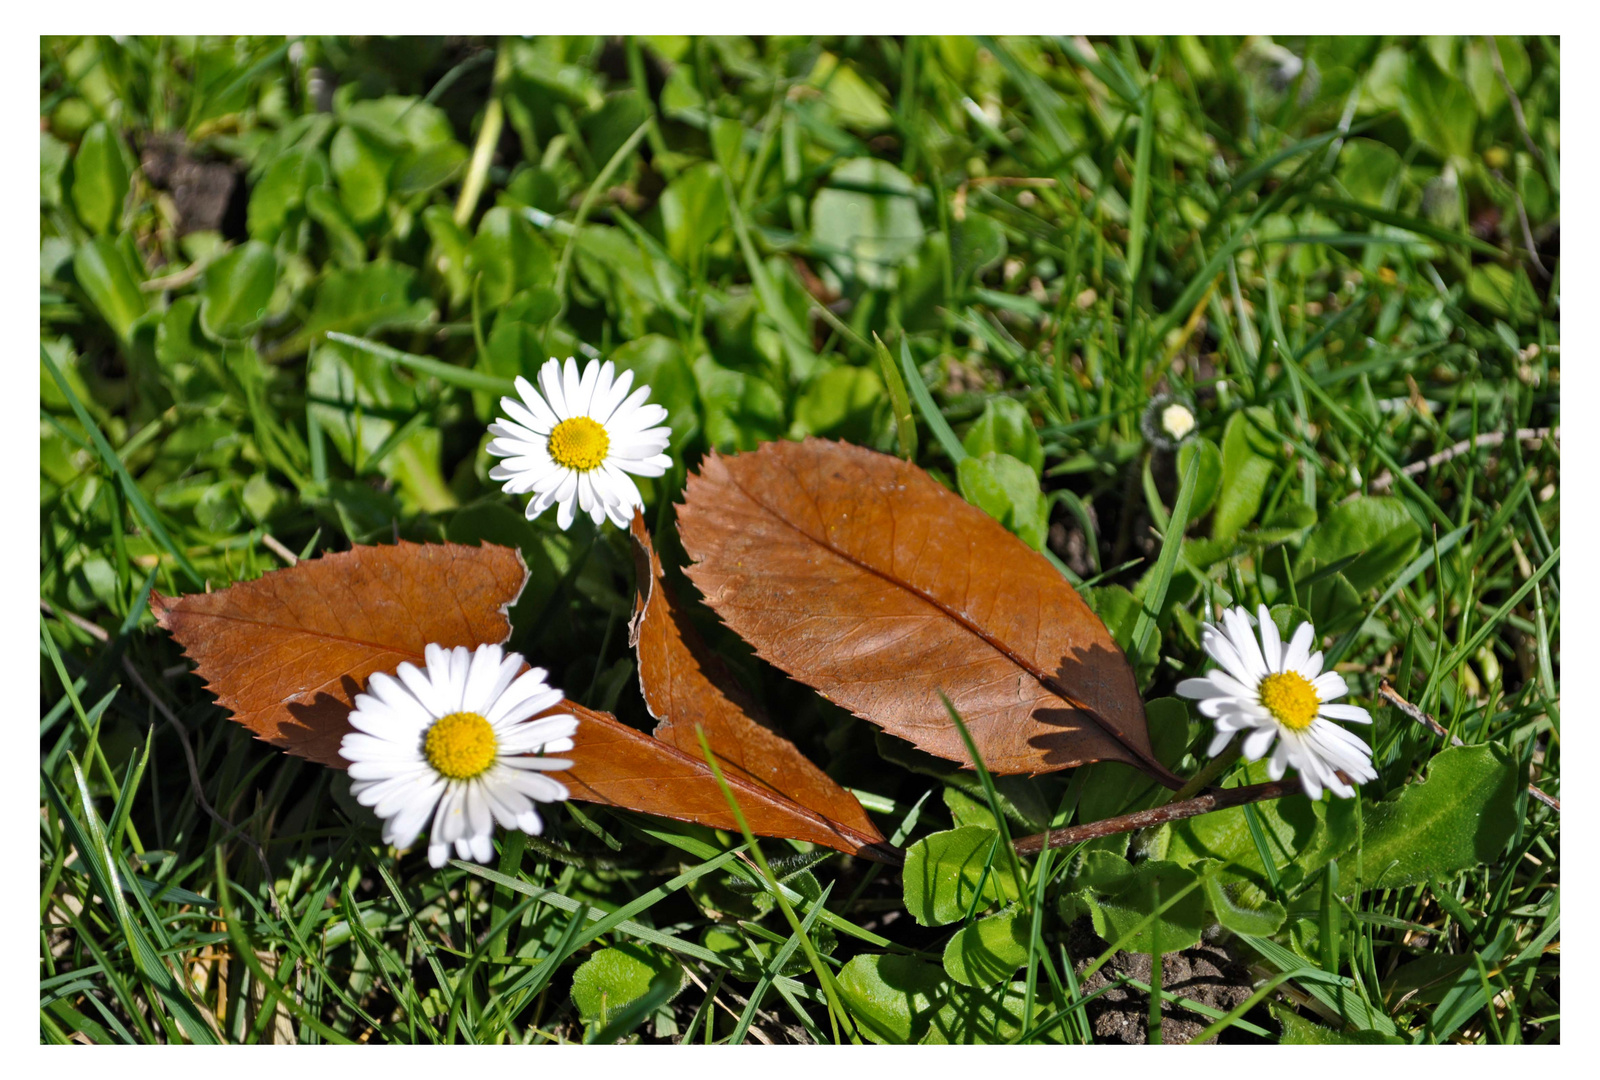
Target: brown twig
x=1174 y=811
x=1387 y=692
x=99 y=634
x=1488 y=438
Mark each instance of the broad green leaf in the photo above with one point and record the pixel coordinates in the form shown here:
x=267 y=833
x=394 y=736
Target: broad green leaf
x=1503 y=292
x=1460 y=816
x=449 y=255
x=613 y=978
x=1479 y=71
x=1298 y=1031
x=869 y=222
x=694 y=211
x=741 y=410
x=976 y=243
x=847 y=403
x=1007 y=490
x=345 y=244
x=989 y=1016
x=1208 y=480
x=1004 y=427
x=100 y=178
x=944 y=872
x=739 y=948
x=1119 y=896
x=360 y=301
x=1111 y=788
x=658 y=362
x=1367 y=168
x=425 y=168
x=1249 y=451
x=852 y=100
x=508 y=256
x=102 y=272
x=53 y=157
x=1376 y=530
x=361 y=166
x=1302 y=836
x=237 y=290
x=516 y=343
x=1237 y=902
x=966 y=810
x=282 y=189
x=1438 y=109
x=892 y=998
x=989 y=950
x=360 y=401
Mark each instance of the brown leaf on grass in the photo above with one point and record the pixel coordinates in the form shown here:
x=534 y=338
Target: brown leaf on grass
x=287 y=652
x=617 y=765
x=857 y=573
x=685 y=686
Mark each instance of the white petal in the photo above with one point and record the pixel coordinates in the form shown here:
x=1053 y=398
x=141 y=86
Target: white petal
x=565 y=514
x=589 y=387
x=651 y=466
x=1219 y=742
x=1329 y=685
x=1279 y=760
x=539 y=407
x=537 y=785
x=1244 y=639
x=605 y=405
x=438 y=854
x=528 y=686
x=1221 y=649
x=483 y=847
x=1298 y=650
x=480 y=822
x=629 y=422
x=1350 y=714
x=1271 y=643
x=1200 y=688
x=522 y=737
x=1257 y=742
x=550 y=383
x=572 y=389
x=536 y=763
x=483 y=673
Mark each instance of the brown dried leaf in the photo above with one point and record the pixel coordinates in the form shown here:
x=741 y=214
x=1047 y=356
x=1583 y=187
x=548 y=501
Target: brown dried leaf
x=857 y=573
x=287 y=652
x=617 y=765
x=684 y=686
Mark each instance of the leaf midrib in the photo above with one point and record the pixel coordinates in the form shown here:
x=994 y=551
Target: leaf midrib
x=1044 y=679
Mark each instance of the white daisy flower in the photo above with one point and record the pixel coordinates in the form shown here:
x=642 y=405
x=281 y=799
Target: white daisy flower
x=574 y=445
x=455 y=743
x=1177 y=421
x=1280 y=692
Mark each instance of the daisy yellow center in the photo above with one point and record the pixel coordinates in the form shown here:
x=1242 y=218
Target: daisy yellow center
x=579 y=443
x=1289 y=697
x=460 y=745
